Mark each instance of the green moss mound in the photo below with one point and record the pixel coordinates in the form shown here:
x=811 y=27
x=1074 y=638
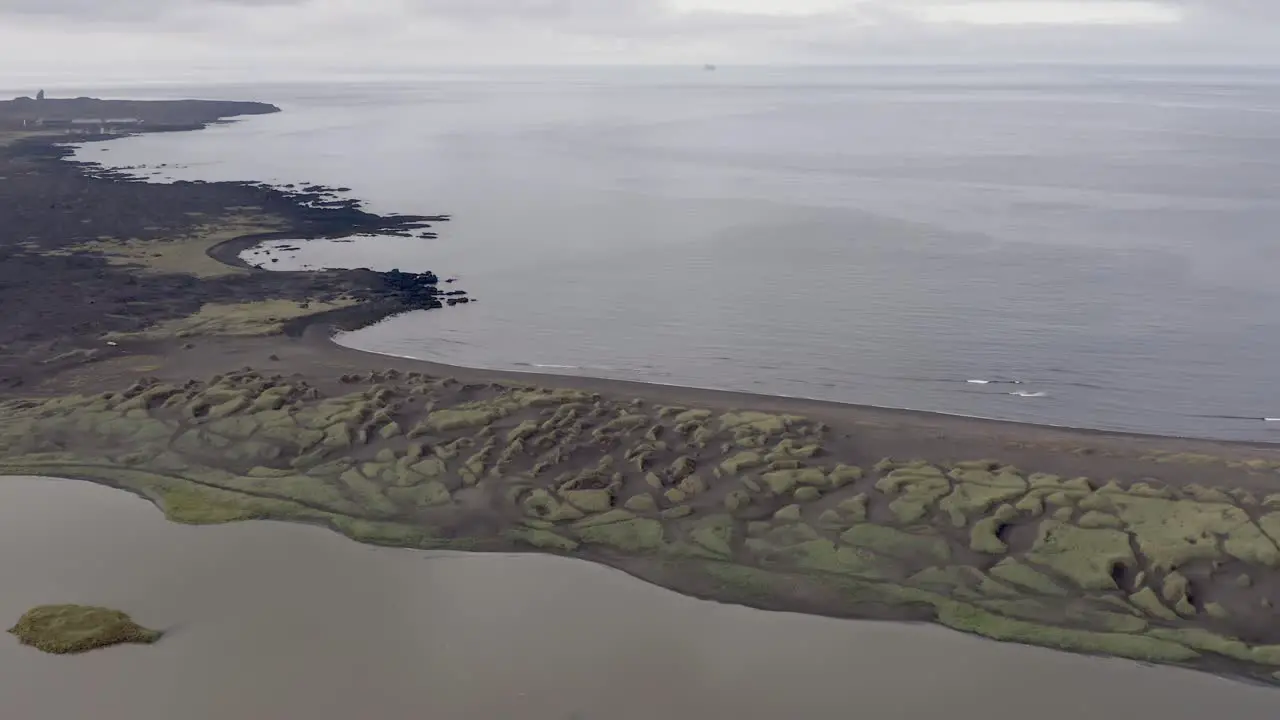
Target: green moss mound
x=1090 y=565
x=66 y=629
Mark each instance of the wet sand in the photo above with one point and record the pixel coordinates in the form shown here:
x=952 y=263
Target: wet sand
x=278 y=620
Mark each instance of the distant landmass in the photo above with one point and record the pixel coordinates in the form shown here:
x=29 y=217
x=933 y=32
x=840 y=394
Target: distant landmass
x=69 y=112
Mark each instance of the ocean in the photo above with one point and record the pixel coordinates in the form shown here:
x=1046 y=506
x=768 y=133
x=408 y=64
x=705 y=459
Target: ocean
x=1090 y=247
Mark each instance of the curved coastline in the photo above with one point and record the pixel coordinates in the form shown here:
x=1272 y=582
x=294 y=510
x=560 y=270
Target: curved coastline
x=943 y=442
x=325 y=328
x=229 y=252
x=721 y=396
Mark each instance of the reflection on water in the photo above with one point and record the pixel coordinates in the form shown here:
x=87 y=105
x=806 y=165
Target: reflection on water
x=282 y=621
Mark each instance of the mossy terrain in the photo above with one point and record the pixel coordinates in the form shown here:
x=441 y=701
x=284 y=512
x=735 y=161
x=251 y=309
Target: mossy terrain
x=754 y=503
x=65 y=629
x=263 y=317
x=187 y=254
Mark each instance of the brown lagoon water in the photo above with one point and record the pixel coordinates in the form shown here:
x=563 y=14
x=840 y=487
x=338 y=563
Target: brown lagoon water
x=269 y=620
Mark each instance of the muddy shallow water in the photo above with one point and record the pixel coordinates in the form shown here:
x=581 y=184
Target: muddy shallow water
x=268 y=620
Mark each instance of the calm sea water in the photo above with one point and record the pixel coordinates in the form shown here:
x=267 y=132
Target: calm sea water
x=875 y=235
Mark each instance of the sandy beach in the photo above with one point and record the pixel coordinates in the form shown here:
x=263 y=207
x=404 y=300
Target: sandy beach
x=144 y=356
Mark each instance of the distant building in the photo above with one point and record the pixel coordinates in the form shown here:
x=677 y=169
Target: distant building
x=88 y=126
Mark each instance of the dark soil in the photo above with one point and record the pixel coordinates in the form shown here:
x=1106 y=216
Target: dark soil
x=55 y=301
x=154 y=116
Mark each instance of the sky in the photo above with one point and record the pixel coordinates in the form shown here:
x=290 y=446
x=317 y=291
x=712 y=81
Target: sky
x=235 y=40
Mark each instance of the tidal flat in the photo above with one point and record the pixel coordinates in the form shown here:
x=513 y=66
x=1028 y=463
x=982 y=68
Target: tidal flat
x=268 y=619
x=772 y=510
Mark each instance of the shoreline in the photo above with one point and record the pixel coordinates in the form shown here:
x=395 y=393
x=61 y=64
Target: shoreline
x=1024 y=533
x=724 y=397
x=229 y=252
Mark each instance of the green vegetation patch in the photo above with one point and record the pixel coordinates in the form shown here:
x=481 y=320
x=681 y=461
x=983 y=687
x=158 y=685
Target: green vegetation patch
x=750 y=429
x=608 y=518
x=784 y=481
x=921 y=543
x=714 y=534
x=591 y=501
x=641 y=503
x=544 y=539
x=985 y=536
x=1270 y=524
x=542 y=505
x=1016 y=573
x=1174 y=532
x=968 y=618
x=635 y=535
x=1147 y=601
x=961 y=580
x=1108 y=621
x=263 y=317
x=854 y=508
x=790 y=513
x=807 y=494
x=1088 y=558
x=918 y=488
x=459 y=419
x=302 y=489
x=745 y=580
x=735 y=500
x=63 y=629
x=367 y=493
x=740 y=462
x=1094 y=519
x=843 y=475
x=755 y=420
x=389 y=534
x=1024 y=609
x=426 y=495
x=977 y=491
x=825 y=556
x=1207 y=641
x=693 y=416
x=676 y=513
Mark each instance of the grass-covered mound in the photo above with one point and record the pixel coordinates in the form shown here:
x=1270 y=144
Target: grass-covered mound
x=64 y=629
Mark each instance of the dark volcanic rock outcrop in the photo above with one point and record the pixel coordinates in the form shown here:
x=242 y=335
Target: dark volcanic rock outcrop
x=175 y=114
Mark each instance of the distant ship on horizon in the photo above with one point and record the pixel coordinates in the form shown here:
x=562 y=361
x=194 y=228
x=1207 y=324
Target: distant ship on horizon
x=708 y=66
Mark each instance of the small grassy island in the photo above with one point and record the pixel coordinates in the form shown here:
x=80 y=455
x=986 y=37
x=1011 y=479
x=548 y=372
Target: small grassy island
x=68 y=629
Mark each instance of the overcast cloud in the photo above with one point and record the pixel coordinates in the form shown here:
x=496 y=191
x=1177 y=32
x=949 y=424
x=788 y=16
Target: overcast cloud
x=293 y=38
